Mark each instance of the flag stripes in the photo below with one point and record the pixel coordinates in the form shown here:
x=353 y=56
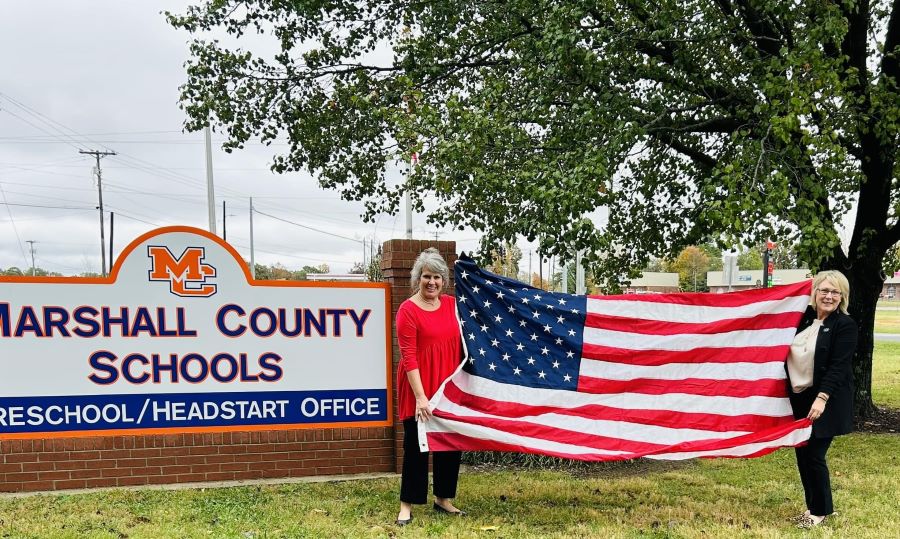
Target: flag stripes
x=668 y=376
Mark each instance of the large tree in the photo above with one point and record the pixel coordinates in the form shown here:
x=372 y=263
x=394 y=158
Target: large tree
x=687 y=120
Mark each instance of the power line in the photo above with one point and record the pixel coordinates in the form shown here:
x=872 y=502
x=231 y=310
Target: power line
x=307 y=227
x=44 y=206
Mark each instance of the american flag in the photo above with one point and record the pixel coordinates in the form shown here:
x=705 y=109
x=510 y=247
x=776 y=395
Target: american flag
x=668 y=376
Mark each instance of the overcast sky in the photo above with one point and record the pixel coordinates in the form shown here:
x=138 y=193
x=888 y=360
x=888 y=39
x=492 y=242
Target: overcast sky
x=104 y=75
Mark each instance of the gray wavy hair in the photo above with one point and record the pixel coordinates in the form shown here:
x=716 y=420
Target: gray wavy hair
x=430 y=259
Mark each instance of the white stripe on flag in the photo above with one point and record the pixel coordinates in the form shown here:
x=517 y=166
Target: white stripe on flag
x=688 y=341
x=622 y=430
x=792 y=438
x=674 y=312
x=679 y=371
x=439 y=425
x=676 y=402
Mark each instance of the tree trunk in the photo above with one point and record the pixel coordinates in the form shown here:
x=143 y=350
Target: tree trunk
x=866 y=282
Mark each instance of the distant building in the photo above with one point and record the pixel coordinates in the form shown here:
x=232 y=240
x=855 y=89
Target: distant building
x=346 y=277
x=891 y=289
x=654 y=282
x=746 y=279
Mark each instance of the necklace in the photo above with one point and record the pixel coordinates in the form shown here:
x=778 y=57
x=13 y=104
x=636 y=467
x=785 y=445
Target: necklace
x=428 y=302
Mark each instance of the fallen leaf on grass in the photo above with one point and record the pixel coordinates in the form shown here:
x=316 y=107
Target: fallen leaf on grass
x=320 y=511
x=489 y=528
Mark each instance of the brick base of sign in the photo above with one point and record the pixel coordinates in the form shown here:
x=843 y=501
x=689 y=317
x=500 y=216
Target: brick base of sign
x=118 y=461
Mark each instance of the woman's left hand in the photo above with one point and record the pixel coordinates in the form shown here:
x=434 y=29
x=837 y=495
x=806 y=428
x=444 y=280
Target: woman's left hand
x=815 y=411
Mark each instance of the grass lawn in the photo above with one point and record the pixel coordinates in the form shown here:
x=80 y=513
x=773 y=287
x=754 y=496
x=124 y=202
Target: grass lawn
x=887 y=319
x=704 y=498
x=718 y=498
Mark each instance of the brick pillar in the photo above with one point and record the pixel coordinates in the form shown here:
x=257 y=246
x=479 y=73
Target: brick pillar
x=397 y=257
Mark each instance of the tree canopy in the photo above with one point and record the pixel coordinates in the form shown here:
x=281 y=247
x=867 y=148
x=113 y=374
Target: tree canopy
x=686 y=120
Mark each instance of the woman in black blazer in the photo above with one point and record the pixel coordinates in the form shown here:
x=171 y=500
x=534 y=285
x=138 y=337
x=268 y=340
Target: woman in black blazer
x=820 y=385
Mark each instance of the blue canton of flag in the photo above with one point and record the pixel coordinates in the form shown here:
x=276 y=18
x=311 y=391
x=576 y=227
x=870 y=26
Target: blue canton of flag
x=518 y=334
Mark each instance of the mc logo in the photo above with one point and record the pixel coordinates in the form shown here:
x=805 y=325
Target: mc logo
x=186 y=274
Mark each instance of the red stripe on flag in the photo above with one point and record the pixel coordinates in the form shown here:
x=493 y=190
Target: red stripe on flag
x=765 y=387
x=555 y=434
x=745 y=297
x=750 y=354
x=662 y=418
x=446 y=441
x=657 y=327
x=767 y=435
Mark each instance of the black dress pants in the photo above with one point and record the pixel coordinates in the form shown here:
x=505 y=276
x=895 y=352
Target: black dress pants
x=814 y=475
x=414 y=478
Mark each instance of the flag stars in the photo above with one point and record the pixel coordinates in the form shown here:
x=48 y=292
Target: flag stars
x=545 y=351
x=473 y=314
x=498 y=319
x=567 y=378
x=511 y=309
x=464 y=274
x=509 y=333
x=574 y=311
x=476 y=289
x=505 y=357
x=535 y=314
x=533 y=337
x=547 y=328
x=462 y=299
x=560 y=319
x=495 y=343
x=471 y=336
x=530 y=360
x=555 y=364
x=500 y=294
x=519 y=347
x=570 y=354
x=542 y=374
x=571 y=333
x=484 y=328
x=522 y=323
x=537 y=297
x=562 y=301
x=516 y=371
x=558 y=341
x=493 y=367
x=487 y=304
x=481 y=351
x=525 y=301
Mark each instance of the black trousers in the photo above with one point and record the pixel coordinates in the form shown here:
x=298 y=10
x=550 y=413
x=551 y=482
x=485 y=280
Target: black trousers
x=414 y=479
x=814 y=475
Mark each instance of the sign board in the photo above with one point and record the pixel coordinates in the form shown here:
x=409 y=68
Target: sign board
x=179 y=338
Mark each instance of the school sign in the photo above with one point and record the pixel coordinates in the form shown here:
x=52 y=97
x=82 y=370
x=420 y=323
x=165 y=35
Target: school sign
x=179 y=338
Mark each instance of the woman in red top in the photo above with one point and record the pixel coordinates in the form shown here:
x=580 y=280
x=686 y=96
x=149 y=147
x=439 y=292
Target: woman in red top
x=428 y=333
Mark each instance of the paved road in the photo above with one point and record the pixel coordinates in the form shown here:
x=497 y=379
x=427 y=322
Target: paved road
x=887 y=337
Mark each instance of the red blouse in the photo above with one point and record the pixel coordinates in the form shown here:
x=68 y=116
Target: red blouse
x=429 y=341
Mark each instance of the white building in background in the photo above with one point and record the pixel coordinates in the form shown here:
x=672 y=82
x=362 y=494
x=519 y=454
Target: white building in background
x=654 y=282
x=746 y=279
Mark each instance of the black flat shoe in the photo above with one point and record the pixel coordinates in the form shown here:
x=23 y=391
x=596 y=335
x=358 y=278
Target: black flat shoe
x=403 y=522
x=440 y=509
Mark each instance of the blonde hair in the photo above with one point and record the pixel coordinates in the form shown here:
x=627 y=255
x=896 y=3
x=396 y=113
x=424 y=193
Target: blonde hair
x=429 y=259
x=839 y=280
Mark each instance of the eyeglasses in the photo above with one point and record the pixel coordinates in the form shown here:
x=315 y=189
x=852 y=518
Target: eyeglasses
x=827 y=292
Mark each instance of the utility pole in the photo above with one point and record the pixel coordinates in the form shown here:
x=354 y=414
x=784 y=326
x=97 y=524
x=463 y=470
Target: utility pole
x=252 y=259
x=97 y=155
x=210 y=191
x=112 y=217
x=31 y=245
x=224 y=234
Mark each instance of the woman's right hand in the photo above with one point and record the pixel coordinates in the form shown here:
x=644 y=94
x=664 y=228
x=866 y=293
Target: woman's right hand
x=423 y=412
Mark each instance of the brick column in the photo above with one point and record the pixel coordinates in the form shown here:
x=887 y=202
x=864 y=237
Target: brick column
x=397 y=257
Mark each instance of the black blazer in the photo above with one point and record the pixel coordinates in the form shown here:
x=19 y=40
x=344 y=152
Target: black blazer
x=832 y=374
